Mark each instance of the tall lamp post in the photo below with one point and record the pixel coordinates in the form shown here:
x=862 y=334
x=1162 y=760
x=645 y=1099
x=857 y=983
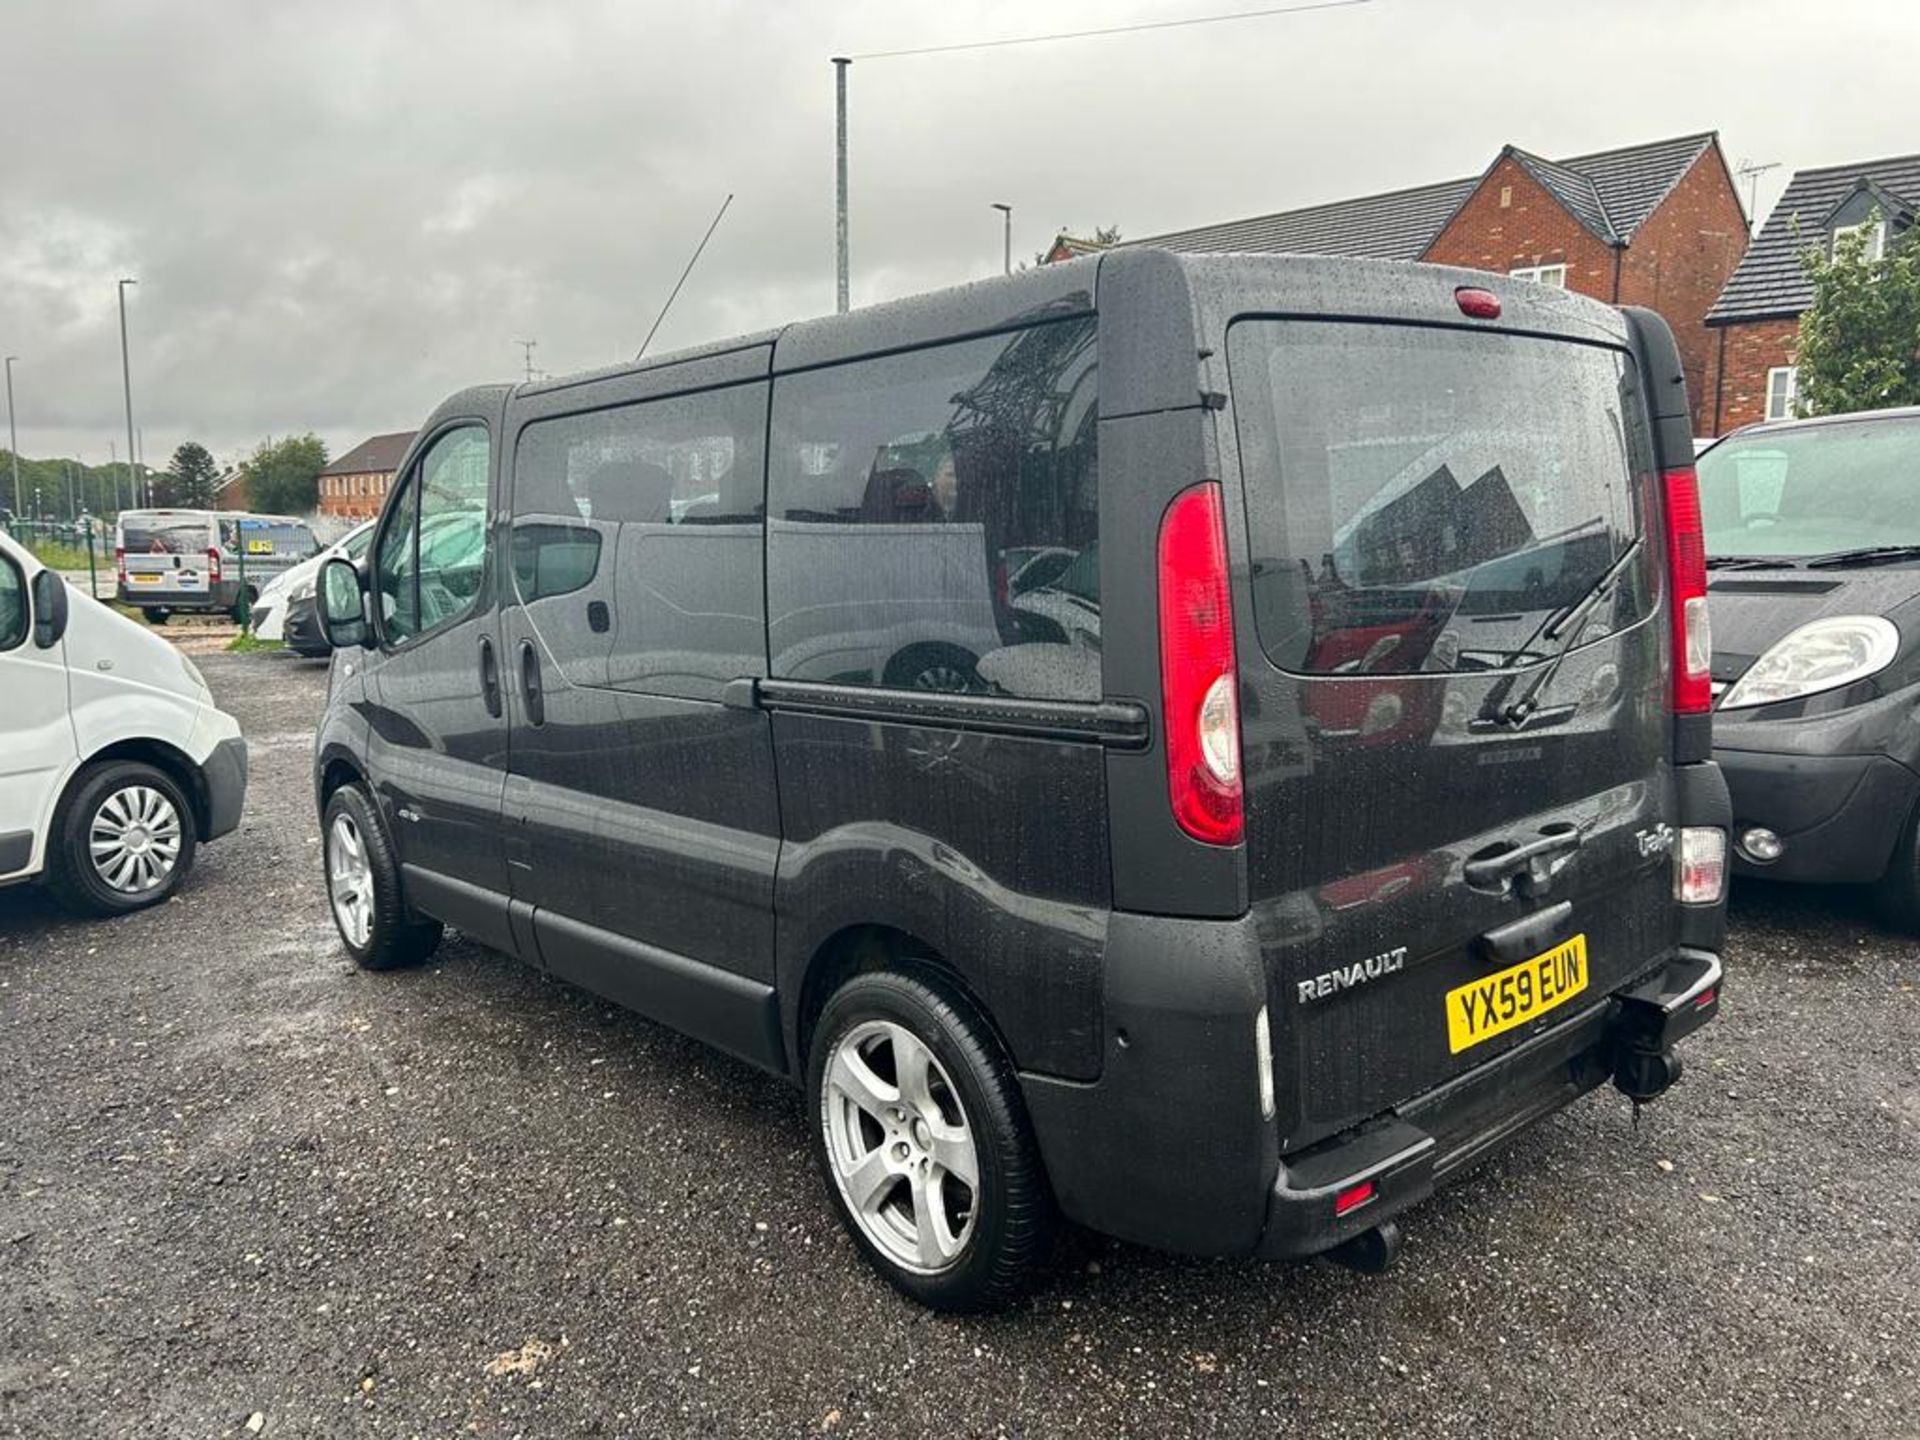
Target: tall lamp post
x=126 y=382
x=13 y=436
x=840 y=64
x=1006 y=237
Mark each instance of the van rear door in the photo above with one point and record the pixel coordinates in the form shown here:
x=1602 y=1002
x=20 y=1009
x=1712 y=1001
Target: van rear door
x=1452 y=844
x=165 y=554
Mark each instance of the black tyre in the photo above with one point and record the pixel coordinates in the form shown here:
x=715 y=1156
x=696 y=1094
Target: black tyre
x=1897 y=895
x=363 y=888
x=123 y=839
x=923 y=1140
x=157 y=616
x=243 y=605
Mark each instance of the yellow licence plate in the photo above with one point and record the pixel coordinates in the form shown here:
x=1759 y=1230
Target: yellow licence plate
x=1483 y=1008
x=145 y=579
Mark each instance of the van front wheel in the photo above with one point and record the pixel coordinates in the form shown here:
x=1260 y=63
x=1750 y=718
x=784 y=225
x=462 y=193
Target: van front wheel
x=123 y=840
x=363 y=888
x=922 y=1138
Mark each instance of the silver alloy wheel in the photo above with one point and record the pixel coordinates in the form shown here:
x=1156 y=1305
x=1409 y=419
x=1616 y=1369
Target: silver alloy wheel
x=134 y=840
x=944 y=677
x=350 y=880
x=903 y=1154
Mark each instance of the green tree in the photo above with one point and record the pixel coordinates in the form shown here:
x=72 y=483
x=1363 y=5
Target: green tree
x=191 y=476
x=1860 y=338
x=283 y=476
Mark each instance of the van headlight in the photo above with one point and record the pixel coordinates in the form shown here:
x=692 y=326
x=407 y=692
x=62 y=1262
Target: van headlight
x=300 y=589
x=1821 y=655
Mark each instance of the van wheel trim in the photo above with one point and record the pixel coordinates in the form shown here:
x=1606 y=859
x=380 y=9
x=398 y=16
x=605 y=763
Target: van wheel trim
x=350 y=881
x=134 y=840
x=902 y=1151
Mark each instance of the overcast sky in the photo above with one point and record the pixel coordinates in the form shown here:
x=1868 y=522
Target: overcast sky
x=340 y=211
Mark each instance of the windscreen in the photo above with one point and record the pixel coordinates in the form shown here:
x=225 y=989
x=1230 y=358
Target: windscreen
x=163 y=534
x=1423 y=499
x=1812 y=491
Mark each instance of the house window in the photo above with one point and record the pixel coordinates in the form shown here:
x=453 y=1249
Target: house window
x=1555 y=275
x=1876 y=232
x=1783 y=385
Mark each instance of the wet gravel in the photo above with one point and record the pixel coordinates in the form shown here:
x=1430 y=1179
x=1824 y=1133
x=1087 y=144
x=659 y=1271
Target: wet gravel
x=240 y=1182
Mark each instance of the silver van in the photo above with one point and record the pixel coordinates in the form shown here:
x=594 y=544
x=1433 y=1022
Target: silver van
x=202 y=560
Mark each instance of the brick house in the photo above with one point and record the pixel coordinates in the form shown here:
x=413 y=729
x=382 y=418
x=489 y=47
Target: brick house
x=230 y=491
x=352 y=487
x=1756 y=321
x=1659 y=225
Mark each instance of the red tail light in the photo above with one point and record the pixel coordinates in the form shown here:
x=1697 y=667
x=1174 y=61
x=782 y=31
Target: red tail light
x=1199 y=695
x=1352 y=1197
x=120 y=562
x=1687 y=585
x=213 y=564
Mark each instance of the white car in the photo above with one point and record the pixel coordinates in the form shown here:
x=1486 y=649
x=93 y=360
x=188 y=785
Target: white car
x=290 y=596
x=115 y=764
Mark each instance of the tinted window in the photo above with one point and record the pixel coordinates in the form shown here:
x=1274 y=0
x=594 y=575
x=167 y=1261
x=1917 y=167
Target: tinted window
x=637 y=541
x=13 y=604
x=1421 y=499
x=1812 y=491
x=907 y=493
x=427 y=572
x=164 y=535
x=279 y=539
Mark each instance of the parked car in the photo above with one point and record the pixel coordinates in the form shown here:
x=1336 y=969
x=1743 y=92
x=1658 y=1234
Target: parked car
x=285 y=609
x=1813 y=539
x=202 y=560
x=118 y=765
x=1129 y=939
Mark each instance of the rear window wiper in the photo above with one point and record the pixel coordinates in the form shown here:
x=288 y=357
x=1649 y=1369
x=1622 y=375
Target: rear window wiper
x=1749 y=562
x=1863 y=555
x=1564 y=628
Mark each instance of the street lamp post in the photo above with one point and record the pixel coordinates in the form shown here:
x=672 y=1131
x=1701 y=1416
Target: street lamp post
x=1006 y=237
x=13 y=435
x=126 y=382
x=840 y=64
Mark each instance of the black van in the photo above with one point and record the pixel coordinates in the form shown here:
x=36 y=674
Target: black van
x=1204 y=746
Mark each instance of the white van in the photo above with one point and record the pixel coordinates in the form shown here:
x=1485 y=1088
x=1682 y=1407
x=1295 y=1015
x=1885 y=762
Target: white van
x=114 y=762
x=194 y=560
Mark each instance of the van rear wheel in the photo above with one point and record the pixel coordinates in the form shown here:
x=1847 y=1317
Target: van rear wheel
x=1897 y=895
x=924 y=1143
x=123 y=839
x=363 y=888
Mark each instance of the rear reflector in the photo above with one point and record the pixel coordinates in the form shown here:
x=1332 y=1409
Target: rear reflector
x=1199 y=685
x=1263 y=1059
x=1353 y=1197
x=1478 y=303
x=1700 y=865
x=1687 y=585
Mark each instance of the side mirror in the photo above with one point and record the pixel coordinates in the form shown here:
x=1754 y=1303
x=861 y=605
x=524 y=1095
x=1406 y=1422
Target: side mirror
x=342 y=605
x=49 y=609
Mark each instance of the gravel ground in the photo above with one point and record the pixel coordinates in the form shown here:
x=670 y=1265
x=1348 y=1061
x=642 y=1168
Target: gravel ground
x=242 y=1182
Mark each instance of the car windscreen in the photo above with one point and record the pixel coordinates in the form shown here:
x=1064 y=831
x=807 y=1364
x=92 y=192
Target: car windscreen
x=163 y=535
x=1812 y=491
x=1422 y=498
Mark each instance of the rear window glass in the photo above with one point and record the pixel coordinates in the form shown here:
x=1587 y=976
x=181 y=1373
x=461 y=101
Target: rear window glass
x=1798 y=493
x=1422 y=499
x=163 y=535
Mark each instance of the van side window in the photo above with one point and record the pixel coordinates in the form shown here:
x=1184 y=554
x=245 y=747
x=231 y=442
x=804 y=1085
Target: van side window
x=637 y=541
x=935 y=519
x=13 y=604
x=428 y=566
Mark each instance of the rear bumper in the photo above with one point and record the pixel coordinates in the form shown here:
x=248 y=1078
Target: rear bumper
x=218 y=596
x=1403 y=1157
x=1840 y=815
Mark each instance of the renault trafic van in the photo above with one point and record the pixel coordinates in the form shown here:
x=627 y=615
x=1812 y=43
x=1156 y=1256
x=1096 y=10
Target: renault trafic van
x=115 y=764
x=1339 y=804
x=203 y=561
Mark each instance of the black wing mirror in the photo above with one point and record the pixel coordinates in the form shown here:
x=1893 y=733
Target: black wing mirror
x=49 y=609
x=341 y=603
